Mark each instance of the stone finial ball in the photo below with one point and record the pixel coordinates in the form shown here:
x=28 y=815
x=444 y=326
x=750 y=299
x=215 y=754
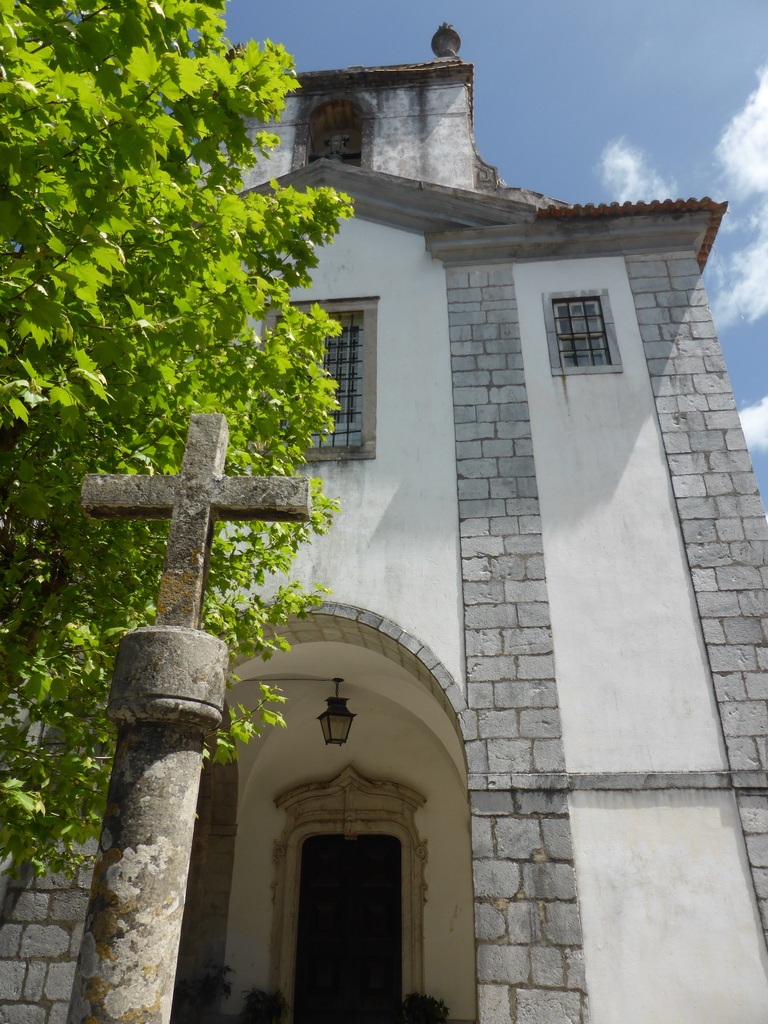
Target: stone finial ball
x=446 y=42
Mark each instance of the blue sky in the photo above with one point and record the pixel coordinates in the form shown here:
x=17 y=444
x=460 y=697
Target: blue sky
x=594 y=101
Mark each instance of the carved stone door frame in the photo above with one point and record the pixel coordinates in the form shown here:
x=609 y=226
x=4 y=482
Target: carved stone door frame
x=350 y=805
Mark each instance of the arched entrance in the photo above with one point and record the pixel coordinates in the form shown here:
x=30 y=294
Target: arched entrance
x=401 y=774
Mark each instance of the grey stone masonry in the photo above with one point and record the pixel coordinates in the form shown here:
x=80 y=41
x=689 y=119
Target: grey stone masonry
x=529 y=949
x=41 y=927
x=722 y=519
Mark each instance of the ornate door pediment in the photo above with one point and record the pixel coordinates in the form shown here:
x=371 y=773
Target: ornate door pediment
x=349 y=805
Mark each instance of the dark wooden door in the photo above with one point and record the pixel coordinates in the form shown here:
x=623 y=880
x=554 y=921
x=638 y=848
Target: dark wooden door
x=349 y=951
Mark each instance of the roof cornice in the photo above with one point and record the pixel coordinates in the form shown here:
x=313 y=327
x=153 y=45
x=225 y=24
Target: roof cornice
x=413 y=205
x=464 y=227
x=716 y=210
x=569 y=232
x=446 y=70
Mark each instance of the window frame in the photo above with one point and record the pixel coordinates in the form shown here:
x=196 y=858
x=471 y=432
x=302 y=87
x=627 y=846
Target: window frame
x=558 y=370
x=367 y=306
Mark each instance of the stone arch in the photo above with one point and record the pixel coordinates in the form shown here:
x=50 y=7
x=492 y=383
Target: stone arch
x=347 y=624
x=325 y=116
x=403 y=773
x=336 y=131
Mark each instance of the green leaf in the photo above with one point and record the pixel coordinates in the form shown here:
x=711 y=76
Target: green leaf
x=61 y=395
x=130 y=282
x=19 y=409
x=143 y=64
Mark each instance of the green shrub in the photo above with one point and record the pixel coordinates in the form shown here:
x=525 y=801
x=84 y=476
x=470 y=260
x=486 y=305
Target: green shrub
x=420 y=1009
x=262 y=1007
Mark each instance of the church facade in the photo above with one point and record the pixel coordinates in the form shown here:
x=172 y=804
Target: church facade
x=547 y=617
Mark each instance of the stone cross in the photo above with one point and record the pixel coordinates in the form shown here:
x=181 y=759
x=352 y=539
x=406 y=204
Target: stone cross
x=193 y=500
x=167 y=695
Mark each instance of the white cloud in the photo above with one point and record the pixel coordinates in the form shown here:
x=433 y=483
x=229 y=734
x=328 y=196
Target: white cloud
x=743 y=153
x=746 y=284
x=754 y=422
x=627 y=175
x=743 y=146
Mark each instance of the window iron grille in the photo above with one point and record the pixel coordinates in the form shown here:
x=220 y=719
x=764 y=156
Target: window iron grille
x=581 y=334
x=344 y=362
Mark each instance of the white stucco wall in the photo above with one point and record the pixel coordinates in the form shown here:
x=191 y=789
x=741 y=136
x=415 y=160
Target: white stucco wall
x=671 y=932
x=400 y=735
x=633 y=682
x=394 y=548
x=423 y=132
x=280 y=159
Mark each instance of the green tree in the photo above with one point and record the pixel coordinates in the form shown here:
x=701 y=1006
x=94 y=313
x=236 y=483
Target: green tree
x=131 y=275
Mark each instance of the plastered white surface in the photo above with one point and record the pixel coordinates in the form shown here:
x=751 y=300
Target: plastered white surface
x=633 y=681
x=671 y=933
x=394 y=548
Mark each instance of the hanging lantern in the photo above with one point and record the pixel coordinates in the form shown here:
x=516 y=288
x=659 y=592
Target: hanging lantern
x=336 y=720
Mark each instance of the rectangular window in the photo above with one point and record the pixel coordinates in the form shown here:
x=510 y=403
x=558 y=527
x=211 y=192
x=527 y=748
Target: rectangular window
x=580 y=330
x=580 y=333
x=350 y=358
x=344 y=362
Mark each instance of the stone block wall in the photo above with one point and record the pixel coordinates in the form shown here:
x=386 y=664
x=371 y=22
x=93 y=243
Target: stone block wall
x=722 y=520
x=530 y=962
x=529 y=954
x=41 y=927
x=41 y=923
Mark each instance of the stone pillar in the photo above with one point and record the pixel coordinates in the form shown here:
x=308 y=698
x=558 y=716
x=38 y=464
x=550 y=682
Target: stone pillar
x=722 y=520
x=529 y=943
x=167 y=694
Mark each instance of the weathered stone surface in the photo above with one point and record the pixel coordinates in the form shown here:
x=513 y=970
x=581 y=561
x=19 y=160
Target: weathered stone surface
x=128 y=954
x=509 y=964
x=557 y=838
x=549 y=881
x=562 y=926
x=33 y=984
x=27 y=1013
x=69 y=905
x=10 y=939
x=510 y=668
x=167 y=693
x=494 y=1004
x=523 y=922
x=489 y=922
x=547 y=967
x=44 y=940
x=517 y=838
x=482 y=838
x=539 y=1006
x=194 y=499
x=28 y=906
x=719 y=505
x=11 y=979
x=58 y=983
x=574 y=962
x=58 y=1014
x=496 y=879
x=169 y=673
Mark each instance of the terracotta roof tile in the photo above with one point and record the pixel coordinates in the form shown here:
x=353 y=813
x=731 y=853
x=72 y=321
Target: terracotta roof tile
x=717 y=212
